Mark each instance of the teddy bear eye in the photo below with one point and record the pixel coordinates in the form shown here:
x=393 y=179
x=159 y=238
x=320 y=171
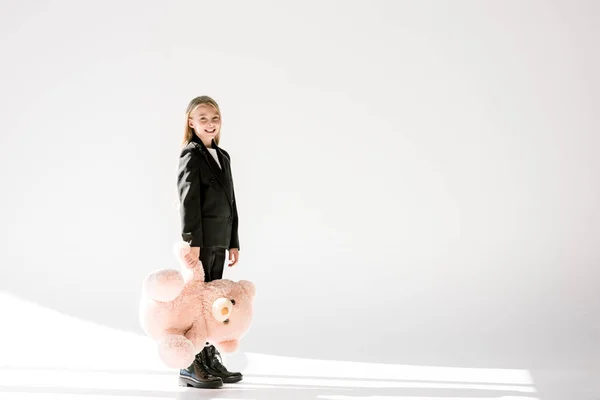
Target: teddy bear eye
x=233 y=302
x=226 y=321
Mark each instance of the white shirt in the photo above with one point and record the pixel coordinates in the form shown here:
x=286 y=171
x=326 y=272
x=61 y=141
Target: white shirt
x=215 y=156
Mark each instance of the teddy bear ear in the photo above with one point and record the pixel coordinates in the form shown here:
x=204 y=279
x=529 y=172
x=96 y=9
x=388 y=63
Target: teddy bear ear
x=229 y=346
x=249 y=288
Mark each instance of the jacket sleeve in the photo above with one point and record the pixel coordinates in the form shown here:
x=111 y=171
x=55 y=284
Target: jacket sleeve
x=235 y=240
x=188 y=186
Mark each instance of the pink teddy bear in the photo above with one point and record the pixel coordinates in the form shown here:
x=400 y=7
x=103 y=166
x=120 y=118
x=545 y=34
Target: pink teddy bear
x=182 y=313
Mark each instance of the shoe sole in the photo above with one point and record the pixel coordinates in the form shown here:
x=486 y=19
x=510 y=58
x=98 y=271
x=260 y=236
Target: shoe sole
x=232 y=380
x=200 y=385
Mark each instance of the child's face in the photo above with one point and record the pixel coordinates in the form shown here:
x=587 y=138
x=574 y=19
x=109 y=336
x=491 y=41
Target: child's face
x=206 y=122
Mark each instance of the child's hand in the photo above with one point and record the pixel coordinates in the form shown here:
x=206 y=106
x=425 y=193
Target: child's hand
x=234 y=255
x=193 y=257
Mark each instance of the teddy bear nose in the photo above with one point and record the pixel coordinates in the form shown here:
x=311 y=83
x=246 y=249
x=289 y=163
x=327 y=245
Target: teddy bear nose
x=221 y=309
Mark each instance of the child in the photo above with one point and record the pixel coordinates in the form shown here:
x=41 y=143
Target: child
x=209 y=219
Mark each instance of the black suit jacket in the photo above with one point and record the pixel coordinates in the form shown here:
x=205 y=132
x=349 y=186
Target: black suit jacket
x=208 y=208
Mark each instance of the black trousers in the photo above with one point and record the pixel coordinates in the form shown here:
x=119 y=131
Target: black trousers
x=213 y=262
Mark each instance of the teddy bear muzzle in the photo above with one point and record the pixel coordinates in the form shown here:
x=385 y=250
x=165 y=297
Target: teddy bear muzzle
x=221 y=309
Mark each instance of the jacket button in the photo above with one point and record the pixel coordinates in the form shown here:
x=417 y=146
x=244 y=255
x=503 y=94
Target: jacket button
x=230 y=217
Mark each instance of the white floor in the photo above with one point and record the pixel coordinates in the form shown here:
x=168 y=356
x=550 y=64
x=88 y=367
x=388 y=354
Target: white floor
x=47 y=355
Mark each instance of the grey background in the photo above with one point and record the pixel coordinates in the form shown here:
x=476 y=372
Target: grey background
x=417 y=181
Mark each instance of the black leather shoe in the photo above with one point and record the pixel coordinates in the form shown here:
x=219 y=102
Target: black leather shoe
x=197 y=376
x=211 y=359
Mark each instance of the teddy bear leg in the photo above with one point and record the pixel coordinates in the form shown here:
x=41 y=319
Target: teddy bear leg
x=164 y=285
x=190 y=271
x=176 y=351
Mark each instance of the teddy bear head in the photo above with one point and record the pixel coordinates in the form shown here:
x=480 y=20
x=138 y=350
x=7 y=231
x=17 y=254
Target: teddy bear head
x=227 y=311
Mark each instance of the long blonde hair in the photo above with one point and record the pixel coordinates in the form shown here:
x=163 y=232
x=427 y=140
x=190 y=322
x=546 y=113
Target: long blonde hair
x=189 y=131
